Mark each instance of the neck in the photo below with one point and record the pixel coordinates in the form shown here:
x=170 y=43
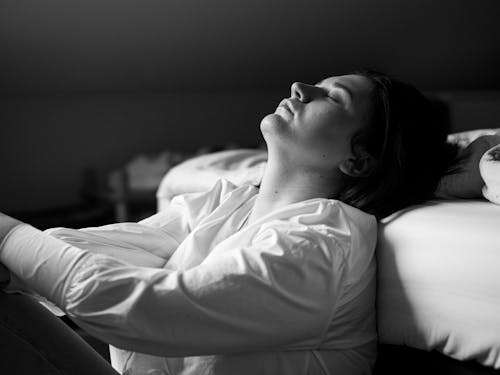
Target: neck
x=283 y=186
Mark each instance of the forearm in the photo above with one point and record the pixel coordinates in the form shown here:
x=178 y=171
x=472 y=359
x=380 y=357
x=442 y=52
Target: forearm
x=39 y=261
x=130 y=242
x=7 y=224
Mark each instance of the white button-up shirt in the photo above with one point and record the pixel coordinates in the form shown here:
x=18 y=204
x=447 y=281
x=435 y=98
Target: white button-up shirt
x=202 y=293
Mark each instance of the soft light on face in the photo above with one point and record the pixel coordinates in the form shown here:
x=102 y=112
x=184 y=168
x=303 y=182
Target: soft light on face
x=313 y=128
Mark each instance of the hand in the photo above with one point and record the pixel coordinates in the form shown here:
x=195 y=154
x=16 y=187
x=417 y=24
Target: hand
x=4 y=275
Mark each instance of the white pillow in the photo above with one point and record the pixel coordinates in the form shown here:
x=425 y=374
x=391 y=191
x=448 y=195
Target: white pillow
x=438 y=285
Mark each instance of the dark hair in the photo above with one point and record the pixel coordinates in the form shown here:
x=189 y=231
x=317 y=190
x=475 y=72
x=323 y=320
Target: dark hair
x=406 y=134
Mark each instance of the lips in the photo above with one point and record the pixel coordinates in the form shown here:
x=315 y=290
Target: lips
x=286 y=104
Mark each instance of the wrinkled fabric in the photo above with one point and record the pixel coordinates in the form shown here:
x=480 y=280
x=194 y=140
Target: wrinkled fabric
x=202 y=293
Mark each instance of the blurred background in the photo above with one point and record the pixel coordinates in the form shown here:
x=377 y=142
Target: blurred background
x=93 y=92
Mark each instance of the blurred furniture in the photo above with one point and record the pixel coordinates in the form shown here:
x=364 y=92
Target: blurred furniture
x=128 y=205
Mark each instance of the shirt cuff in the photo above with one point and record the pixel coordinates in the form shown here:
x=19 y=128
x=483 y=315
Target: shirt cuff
x=43 y=263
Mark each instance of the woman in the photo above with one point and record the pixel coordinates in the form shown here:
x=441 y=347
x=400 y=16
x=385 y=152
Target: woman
x=240 y=280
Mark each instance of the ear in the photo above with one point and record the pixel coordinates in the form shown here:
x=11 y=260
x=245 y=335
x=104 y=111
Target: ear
x=361 y=165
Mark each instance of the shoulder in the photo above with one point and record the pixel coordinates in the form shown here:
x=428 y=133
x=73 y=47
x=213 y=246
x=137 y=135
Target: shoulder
x=356 y=226
x=337 y=231
x=360 y=223
x=336 y=220
x=361 y=229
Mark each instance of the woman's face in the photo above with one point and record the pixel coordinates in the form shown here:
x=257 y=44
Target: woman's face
x=313 y=128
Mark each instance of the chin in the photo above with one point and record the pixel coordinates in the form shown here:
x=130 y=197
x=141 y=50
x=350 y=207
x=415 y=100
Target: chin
x=274 y=129
x=272 y=123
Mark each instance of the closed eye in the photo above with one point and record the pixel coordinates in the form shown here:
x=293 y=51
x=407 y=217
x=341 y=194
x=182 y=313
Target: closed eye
x=332 y=95
x=340 y=94
x=335 y=98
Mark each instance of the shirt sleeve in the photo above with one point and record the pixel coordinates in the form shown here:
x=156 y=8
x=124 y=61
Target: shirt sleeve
x=278 y=293
x=152 y=241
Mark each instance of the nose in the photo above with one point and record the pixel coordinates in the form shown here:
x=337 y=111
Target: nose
x=302 y=91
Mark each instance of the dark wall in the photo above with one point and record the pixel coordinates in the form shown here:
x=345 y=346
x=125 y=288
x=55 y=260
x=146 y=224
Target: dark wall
x=92 y=83
x=50 y=141
x=95 y=45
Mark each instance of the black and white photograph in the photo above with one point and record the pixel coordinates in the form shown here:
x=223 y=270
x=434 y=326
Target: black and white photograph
x=259 y=187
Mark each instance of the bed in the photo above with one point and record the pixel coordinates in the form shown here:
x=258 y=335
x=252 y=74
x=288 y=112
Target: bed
x=438 y=282
x=438 y=301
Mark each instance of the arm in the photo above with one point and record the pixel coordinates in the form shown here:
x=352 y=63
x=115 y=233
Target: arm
x=7 y=224
x=270 y=295
x=152 y=241
x=149 y=243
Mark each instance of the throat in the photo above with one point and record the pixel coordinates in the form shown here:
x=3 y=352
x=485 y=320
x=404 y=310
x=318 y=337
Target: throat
x=275 y=192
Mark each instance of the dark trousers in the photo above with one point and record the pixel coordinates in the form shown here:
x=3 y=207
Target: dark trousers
x=34 y=341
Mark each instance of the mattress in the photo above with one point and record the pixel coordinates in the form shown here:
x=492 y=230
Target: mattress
x=439 y=279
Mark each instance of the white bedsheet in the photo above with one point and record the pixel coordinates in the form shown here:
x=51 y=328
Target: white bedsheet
x=439 y=279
